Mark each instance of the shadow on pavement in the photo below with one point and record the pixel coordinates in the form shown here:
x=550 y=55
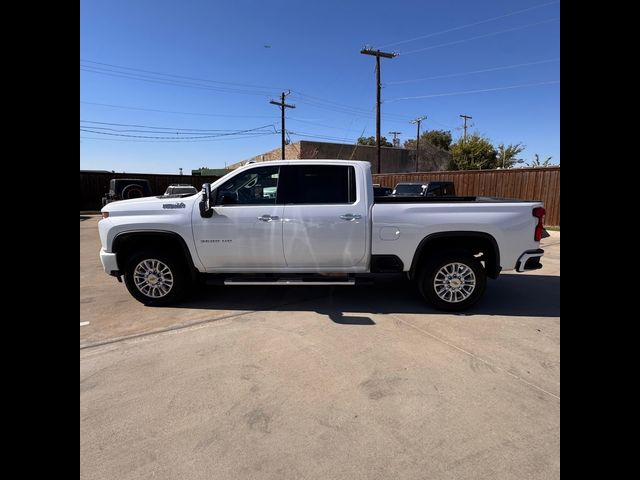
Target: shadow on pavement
x=509 y=295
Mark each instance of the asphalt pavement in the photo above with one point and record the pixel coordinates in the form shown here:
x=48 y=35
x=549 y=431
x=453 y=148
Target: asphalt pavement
x=320 y=382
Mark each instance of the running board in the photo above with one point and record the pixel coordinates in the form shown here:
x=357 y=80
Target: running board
x=284 y=281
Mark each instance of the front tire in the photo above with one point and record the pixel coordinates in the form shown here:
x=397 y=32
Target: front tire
x=452 y=281
x=156 y=279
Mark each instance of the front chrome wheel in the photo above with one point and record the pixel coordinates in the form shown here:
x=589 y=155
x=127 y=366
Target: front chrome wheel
x=454 y=282
x=153 y=278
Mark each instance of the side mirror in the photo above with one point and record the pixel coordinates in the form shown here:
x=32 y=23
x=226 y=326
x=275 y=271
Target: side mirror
x=206 y=196
x=205 y=205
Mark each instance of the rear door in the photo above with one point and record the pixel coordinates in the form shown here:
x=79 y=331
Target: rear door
x=325 y=217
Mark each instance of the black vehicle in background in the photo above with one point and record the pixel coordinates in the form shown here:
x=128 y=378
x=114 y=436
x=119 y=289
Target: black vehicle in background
x=180 y=189
x=379 y=191
x=423 y=189
x=126 y=188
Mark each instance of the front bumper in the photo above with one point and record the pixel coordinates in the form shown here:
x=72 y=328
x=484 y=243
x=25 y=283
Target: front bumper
x=529 y=260
x=109 y=263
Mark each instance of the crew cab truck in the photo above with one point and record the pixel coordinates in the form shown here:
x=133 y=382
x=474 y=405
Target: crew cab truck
x=319 y=225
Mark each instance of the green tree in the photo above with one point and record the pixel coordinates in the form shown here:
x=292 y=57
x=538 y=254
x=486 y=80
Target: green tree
x=507 y=155
x=537 y=163
x=372 y=141
x=438 y=138
x=476 y=153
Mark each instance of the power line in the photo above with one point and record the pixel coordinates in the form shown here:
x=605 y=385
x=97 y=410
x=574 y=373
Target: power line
x=388 y=117
x=475 y=91
x=461 y=74
x=470 y=24
x=348 y=129
x=181 y=76
x=326 y=106
x=157 y=128
x=168 y=81
x=176 y=112
x=338 y=107
x=480 y=36
x=180 y=140
x=330 y=102
x=172 y=138
x=174 y=83
x=311 y=135
x=160 y=138
x=394 y=116
x=160 y=128
x=167 y=132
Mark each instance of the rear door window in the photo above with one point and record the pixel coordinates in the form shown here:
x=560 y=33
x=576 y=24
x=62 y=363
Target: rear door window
x=318 y=184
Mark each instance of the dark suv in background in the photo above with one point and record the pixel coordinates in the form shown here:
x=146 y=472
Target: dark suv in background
x=180 y=189
x=423 y=189
x=126 y=188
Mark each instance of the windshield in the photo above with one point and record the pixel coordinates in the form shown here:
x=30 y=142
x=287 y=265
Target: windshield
x=416 y=189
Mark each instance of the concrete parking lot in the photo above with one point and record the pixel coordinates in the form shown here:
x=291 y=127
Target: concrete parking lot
x=319 y=382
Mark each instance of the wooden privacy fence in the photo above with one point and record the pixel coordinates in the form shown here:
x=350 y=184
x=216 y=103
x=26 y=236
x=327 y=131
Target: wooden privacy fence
x=94 y=185
x=522 y=183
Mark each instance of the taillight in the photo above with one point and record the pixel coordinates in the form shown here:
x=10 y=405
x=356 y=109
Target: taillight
x=538 y=212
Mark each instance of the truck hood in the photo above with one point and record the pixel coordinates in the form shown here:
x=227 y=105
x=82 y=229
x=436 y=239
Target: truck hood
x=151 y=206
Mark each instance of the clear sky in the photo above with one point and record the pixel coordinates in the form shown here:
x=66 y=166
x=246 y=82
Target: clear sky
x=169 y=84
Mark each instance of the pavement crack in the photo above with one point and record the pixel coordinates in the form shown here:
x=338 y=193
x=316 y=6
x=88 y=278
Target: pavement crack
x=190 y=325
x=477 y=358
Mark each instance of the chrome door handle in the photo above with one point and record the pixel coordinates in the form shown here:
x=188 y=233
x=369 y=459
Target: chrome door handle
x=268 y=218
x=350 y=216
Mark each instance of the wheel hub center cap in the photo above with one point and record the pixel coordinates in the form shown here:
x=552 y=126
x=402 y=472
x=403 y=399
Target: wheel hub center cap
x=455 y=283
x=152 y=279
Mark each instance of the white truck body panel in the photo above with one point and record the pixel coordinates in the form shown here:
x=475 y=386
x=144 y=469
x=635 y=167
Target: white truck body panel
x=510 y=224
x=315 y=238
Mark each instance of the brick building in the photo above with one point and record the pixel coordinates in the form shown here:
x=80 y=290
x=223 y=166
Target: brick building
x=394 y=160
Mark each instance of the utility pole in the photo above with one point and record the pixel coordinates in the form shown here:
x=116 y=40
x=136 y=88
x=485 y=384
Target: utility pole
x=418 y=120
x=282 y=106
x=465 y=126
x=377 y=54
x=396 y=142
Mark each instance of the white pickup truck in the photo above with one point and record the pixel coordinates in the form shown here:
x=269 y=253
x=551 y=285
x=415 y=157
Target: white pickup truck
x=315 y=222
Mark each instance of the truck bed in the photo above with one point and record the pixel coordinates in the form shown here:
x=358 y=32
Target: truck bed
x=447 y=199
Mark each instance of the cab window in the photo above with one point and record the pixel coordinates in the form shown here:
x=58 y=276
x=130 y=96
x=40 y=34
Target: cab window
x=258 y=186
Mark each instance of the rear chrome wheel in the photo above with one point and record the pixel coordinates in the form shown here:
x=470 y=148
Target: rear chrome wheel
x=452 y=280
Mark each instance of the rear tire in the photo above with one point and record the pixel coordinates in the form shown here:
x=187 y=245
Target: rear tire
x=452 y=281
x=155 y=278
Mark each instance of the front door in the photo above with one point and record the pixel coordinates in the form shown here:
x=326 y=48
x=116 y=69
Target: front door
x=245 y=230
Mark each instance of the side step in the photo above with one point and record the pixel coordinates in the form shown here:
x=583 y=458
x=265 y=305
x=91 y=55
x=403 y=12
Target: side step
x=290 y=281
